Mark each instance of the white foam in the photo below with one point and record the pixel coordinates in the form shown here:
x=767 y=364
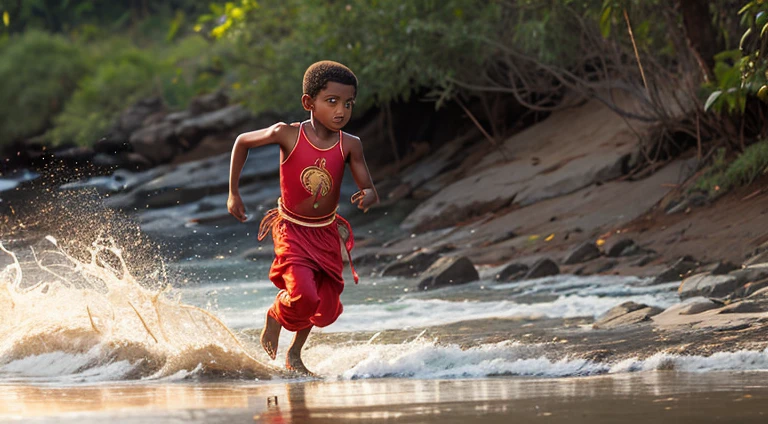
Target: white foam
x=417 y=313
x=428 y=360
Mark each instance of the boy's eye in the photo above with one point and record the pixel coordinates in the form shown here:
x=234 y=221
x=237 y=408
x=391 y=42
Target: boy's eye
x=348 y=105
x=332 y=101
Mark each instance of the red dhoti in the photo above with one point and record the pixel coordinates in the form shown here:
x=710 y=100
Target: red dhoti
x=307 y=268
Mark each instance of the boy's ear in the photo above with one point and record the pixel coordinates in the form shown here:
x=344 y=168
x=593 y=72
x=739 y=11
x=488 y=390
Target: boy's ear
x=307 y=102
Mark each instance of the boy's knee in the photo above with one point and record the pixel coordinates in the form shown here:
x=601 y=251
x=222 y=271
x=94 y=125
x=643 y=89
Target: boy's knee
x=307 y=304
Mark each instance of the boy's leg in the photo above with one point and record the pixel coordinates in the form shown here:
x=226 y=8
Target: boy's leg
x=293 y=358
x=270 y=335
x=293 y=307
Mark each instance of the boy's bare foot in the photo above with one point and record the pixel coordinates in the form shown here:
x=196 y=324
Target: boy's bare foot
x=270 y=335
x=293 y=362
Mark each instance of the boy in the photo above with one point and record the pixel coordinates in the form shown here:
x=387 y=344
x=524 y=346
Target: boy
x=305 y=228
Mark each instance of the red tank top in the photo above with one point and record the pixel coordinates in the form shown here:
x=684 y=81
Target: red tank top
x=310 y=177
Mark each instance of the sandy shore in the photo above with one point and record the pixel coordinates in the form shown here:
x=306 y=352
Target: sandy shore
x=660 y=396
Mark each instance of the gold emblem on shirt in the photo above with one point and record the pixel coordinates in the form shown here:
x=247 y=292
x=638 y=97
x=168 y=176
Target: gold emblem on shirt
x=317 y=180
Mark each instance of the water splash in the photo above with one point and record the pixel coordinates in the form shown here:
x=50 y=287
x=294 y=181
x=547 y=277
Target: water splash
x=89 y=319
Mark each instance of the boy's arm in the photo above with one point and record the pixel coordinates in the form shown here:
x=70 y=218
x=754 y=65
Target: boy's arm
x=367 y=196
x=276 y=134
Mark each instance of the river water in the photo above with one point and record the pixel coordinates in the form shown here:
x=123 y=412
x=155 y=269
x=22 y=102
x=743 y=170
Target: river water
x=79 y=325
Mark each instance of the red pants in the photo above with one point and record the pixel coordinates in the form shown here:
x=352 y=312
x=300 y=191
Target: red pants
x=308 y=271
x=309 y=298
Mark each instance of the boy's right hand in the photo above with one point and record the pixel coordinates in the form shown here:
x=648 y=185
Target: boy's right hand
x=236 y=208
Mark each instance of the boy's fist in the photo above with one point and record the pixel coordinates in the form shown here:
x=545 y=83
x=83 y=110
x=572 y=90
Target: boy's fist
x=364 y=199
x=236 y=208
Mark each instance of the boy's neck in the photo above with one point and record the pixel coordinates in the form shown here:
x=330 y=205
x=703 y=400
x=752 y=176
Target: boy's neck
x=321 y=131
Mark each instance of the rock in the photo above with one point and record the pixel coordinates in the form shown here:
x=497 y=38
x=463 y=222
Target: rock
x=449 y=271
x=696 y=305
x=512 y=272
x=622 y=247
x=744 y=307
x=192 y=181
x=721 y=268
x=748 y=275
x=157 y=143
x=759 y=258
x=208 y=103
x=597 y=266
x=132 y=119
x=749 y=289
x=582 y=253
x=542 y=268
x=195 y=128
x=411 y=265
x=645 y=260
x=677 y=271
x=705 y=284
x=625 y=314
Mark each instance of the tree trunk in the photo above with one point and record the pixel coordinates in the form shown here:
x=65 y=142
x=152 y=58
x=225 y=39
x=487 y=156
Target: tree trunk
x=701 y=36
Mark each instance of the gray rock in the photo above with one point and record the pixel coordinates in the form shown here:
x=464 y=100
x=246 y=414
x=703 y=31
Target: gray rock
x=722 y=268
x=625 y=314
x=192 y=181
x=745 y=307
x=208 y=103
x=705 y=284
x=156 y=142
x=512 y=272
x=749 y=289
x=411 y=265
x=542 y=268
x=677 y=271
x=582 y=253
x=697 y=305
x=622 y=247
x=597 y=266
x=749 y=275
x=449 y=271
x=194 y=128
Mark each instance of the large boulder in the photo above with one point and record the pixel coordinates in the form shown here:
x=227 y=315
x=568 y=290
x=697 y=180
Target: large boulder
x=677 y=271
x=449 y=271
x=625 y=314
x=582 y=253
x=708 y=285
x=622 y=247
x=411 y=265
x=157 y=142
x=542 y=268
x=512 y=272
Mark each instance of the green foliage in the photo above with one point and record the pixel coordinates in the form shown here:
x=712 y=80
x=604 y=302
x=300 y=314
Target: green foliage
x=723 y=176
x=115 y=83
x=124 y=74
x=395 y=48
x=39 y=72
x=740 y=73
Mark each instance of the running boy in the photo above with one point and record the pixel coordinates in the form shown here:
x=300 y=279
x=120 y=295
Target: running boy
x=305 y=228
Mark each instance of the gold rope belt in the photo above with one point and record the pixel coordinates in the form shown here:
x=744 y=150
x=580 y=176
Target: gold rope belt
x=307 y=221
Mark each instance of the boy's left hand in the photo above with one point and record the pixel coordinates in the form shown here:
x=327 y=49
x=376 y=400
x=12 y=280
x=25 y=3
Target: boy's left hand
x=365 y=198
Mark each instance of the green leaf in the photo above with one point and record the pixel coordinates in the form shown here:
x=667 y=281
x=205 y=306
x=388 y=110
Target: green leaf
x=605 y=19
x=746 y=7
x=712 y=99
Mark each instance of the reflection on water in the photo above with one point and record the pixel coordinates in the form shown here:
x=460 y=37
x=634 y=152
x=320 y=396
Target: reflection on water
x=644 y=397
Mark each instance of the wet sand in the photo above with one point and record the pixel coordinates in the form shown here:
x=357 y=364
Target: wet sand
x=659 y=396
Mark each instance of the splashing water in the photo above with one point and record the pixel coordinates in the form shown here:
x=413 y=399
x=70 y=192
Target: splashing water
x=67 y=319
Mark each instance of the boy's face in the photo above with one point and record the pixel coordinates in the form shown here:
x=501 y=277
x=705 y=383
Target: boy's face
x=333 y=105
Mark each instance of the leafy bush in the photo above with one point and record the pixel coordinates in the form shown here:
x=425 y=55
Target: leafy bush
x=124 y=74
x=39 y=72
x=395 y=48
x=115 y=84
x=746 y=168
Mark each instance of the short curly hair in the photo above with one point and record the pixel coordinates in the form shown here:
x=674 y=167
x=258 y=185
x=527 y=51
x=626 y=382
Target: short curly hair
x=320 y=73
